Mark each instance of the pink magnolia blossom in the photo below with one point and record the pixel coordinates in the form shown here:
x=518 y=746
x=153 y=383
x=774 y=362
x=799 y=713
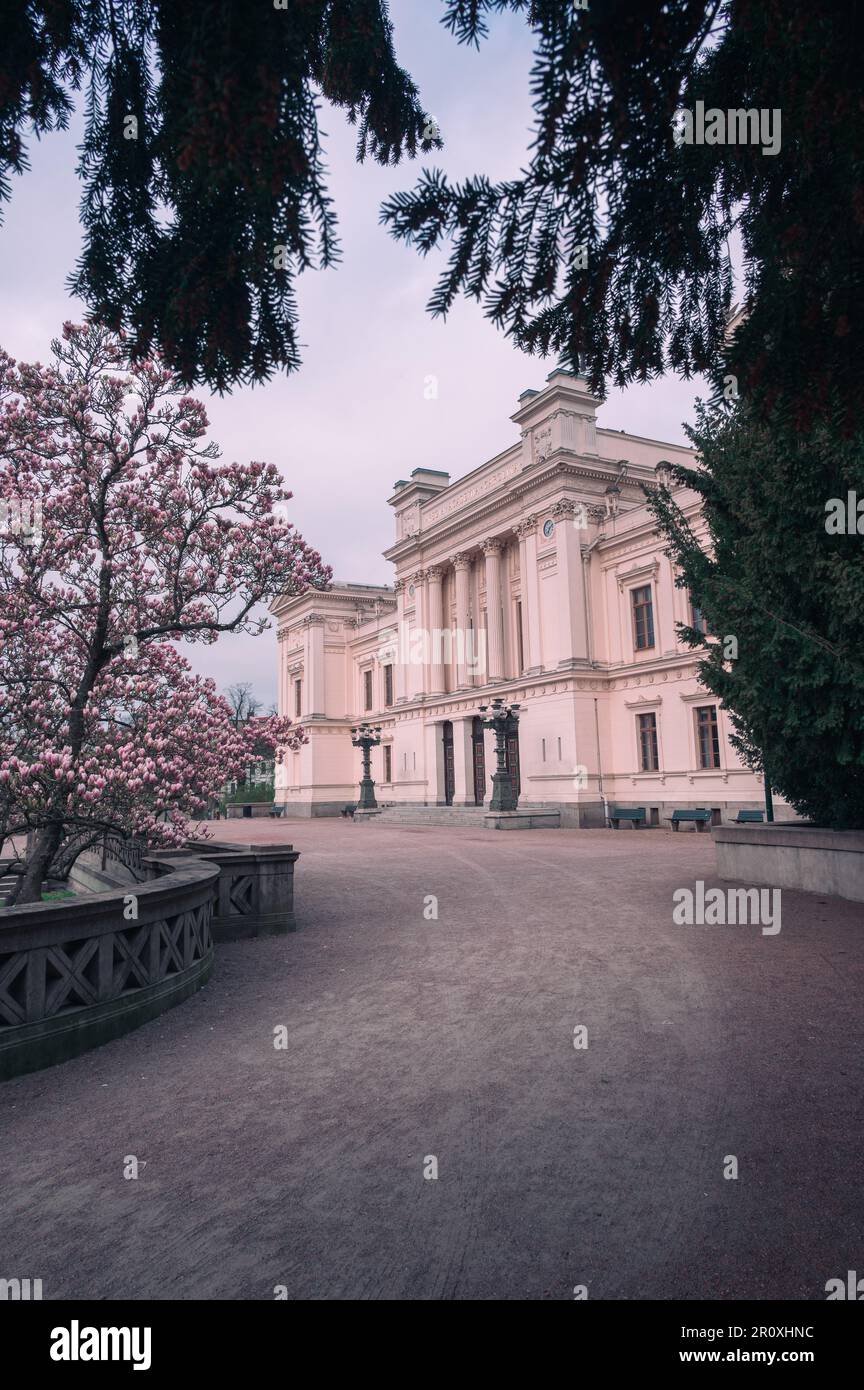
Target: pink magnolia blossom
x=143 y=541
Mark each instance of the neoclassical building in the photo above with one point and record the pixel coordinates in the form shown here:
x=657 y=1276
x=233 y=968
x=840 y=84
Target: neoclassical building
x=537 y=577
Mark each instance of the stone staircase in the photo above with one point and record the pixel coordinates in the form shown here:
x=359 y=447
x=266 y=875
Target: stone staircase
x=432 y=815
x=526 y=818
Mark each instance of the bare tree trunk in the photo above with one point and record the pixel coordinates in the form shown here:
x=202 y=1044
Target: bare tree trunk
x=29 y=889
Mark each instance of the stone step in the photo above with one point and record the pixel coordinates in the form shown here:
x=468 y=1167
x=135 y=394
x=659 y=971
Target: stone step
x=454 y=819
x=435 y=815
x=432 y=815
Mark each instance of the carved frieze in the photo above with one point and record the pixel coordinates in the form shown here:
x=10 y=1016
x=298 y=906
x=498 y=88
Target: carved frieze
x=460 y=496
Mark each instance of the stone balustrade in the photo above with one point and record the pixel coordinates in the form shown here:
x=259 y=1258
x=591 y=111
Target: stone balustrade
x=77 y=973
x=255 y=893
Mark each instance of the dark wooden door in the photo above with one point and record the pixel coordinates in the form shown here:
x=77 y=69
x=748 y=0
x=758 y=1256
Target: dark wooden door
x=513 y=761
x=479 y=753
x=449 y=769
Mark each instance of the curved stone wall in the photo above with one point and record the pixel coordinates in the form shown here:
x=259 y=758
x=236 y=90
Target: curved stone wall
x=77 y=974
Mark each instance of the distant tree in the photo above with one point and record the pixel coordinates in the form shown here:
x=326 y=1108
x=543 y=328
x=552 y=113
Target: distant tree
x=119 y=536
x=247 y=714
x=611 y=247
x=781 y=587
x=242 y=702
x=204 y=181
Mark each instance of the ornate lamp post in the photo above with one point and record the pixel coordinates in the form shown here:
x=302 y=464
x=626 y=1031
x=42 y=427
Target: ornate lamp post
x=503 y=720
x=367 y=738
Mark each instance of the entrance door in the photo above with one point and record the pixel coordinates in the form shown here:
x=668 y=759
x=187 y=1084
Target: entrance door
x=479 y=756
x=449 y=768
x=513 y=761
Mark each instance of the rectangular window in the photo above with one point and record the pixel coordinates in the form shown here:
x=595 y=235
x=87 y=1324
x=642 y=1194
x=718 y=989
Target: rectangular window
x=388 y=759
x=298 y=698
x=708 y=736
x=388 y=685
x=643 y=618
x=367 y=690
x=649 y=760
x=697 y=617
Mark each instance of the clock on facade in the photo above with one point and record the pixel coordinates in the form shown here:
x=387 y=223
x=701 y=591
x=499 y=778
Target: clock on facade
x=548 y=527
x=411 y=590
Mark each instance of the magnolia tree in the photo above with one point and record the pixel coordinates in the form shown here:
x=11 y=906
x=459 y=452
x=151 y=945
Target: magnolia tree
x=119 y=537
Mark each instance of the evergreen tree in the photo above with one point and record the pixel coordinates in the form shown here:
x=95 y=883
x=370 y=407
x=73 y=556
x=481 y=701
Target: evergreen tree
x=204 y=184
x=779 y=579
x=204 y=190
x=612 y=246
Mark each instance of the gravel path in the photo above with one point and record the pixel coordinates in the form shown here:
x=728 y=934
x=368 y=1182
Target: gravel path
x=409 y=1038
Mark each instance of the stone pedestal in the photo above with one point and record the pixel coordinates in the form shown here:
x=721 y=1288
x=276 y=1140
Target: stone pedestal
x=255 y=893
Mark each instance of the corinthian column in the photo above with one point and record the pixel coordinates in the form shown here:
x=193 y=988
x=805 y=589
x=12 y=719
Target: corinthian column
x=526 y=530
x=400 y=653
x=462 y=566
x=494 y=628
x=317 y=703
x=417 y=644
x=570 y=524
x=434 y=576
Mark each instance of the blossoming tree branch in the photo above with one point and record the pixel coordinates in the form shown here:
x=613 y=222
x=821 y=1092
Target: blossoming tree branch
x=137 y=540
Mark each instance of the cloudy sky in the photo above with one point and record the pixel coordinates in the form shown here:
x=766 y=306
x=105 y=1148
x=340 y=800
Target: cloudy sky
x=355 y=417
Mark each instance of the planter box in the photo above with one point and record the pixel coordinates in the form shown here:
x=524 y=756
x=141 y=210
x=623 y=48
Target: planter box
x=792 y=854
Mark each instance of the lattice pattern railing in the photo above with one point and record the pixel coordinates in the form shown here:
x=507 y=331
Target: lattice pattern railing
x=44 y=982
x=75 y=975
x=108 y=844
x=130 y=853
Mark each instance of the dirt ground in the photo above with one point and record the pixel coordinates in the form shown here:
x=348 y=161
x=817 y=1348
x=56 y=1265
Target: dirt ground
x=412 y=1037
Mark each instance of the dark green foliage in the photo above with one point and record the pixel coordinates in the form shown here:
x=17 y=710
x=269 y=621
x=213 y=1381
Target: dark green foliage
x=790 y=593
x=256 y=793
x=183 y=222
x=655 y=217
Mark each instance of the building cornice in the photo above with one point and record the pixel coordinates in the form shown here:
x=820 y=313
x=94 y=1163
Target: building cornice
x=520 y=485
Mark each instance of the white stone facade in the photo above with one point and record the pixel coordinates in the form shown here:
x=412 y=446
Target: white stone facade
x=543 y=572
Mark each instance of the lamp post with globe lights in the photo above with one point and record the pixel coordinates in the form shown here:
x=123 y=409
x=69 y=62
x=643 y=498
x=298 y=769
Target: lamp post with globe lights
x=503 y=720
x=367 y=737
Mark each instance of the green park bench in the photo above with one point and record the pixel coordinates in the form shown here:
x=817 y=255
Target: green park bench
x=635 y=814
x=743 y=817
x=699 y=815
